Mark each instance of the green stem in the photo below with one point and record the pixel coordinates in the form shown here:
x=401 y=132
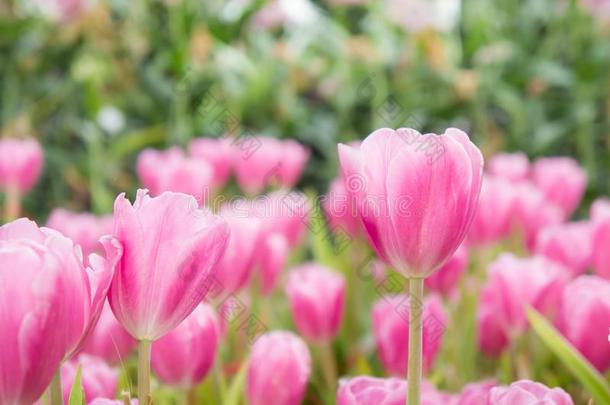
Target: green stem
x=12 y=204
x=56 y=395
x=416 y=292
x=144 y=372
x=329 y=366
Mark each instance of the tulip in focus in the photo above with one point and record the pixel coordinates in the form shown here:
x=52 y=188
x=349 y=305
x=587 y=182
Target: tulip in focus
x=391 y=323
x=527 y=392
x=569 y=244
x=562 y=180
x=514 y=167
x=278 y=370
x=97 y=378
x=217 y=153
x=585 y=311
x=446 y=279
x=184 y=356
x=317 y=301
x=83 y=228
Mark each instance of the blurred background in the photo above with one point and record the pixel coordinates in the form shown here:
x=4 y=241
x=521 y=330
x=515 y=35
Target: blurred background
x=98 y=81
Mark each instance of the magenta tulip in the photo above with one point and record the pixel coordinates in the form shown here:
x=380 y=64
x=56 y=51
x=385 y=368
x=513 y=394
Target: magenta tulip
x=569 y=244
x=514 y=167
x=82 y=227
x=171 y=249
x=562 y=181
x=274 y=254
x=51 y=275
x=476 y=393
x=278 y=370
x=109 y=340
x=97 y=378
x=600 y=254
x=21 y=163
x=512 y=284
x=585 y=318
x=294 y=159
x=446 y=279
x=391 y=323
x=184 y=356
x=366 y=390
x=217 y=153
x=317 y=301
x=527 y=392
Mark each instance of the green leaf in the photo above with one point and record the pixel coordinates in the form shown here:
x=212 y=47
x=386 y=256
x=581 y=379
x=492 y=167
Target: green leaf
x=77 y=395
x=321 y=238
x=588 y=376
x=237 y=387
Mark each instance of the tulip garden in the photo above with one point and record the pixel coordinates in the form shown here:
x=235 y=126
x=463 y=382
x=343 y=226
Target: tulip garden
x=305 y=202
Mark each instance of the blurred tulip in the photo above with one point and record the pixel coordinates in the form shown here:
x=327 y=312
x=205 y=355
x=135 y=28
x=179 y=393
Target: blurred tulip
x=171 y=170
x=600 y=255
x=62 y=10
x=600 y=9
x=419 y=15
x=51 y=275
x=21 y=163
x=391 y=322
x=171 y=249
x=476 y=393
x=366 y=390
x=340 y=209
x=512 y=284
x=496 y=207
x=83 y=228
x=317 y=301
x=527 y=392
x=276 y=13
x=278 y=370
x=106 y=401
x=217 y=152
x=446 y=279
x=109 y=340
x=569 y=244
x=274 y=254
x=258 y=169
x=514 y=167
x=562 y=181
x=584 y=307
x=184 y=356
x=97 y=378
x=294 y=159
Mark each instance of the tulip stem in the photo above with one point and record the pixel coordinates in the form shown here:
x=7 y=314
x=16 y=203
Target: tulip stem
x=329 y=366
x=416 y=292
x=144 y=372
x=56 y=394
x=12 y=204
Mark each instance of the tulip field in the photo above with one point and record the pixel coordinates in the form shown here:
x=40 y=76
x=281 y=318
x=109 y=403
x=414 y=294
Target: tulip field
x=273 y=202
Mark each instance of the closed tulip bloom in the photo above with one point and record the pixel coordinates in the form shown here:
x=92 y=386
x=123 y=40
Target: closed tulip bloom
x=21 y=163
x=294 y=159
x=278 y=370
x=317 y=301
x=256 y=170
x=512 y=284
x=274 y=255
x=600 y=254
x=82 y=227
x=413 y=231
x=171 y=249
x=340 y=208
x=184 y=356
x=97 y=378
x=562 y=180
x=51 y=275
x=527 y=392
x=476 y=393
x=391 y=327
x=447 y=278
x=514 y=167
x=585 y=306
x=171 y=170
x=492 y=221
x=217 y=153
x=569 y=244
x=109 y=340
x=366 y=390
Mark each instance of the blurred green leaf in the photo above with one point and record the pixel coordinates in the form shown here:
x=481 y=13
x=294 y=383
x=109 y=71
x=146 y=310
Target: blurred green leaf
x=77 y=394
x=238 y=386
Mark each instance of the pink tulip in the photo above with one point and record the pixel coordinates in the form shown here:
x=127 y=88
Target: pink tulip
x=446 y=279
x=184 y=356
x=171 y=170
x=600 y=9
x=171 y=249
x=274 y=254
x=492 y=221
x=340 y=209
x=257 y=170
x=109 y=340
x=527 y=392
x=235 y=267
x=512 y=284
x=391 y=329
x=97 y=378
x=514 y=167
x=294 y=159
x=585 y=317
x=562 y=181
x=413 y=231
x=366 y=390
x=216 y=152
x=317 y=301
x=569 y=244
x=476 y=393
x=83 y=228
x=106 y=401
x=533 y=212
x=51 y=275
x=278 y=370
x=21 y=163
x=600 y=255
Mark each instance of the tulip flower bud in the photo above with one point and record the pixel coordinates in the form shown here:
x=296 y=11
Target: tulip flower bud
x=217 y=153
x=527 y=392
x=562 y=181
x=97 y=378
x=514 y=167
x=21 y=163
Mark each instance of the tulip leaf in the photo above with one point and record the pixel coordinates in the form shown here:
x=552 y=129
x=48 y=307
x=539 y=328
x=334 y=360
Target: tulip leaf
x=77 y=395
x=588 y=376
x=237 y=387
x=321 y=238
